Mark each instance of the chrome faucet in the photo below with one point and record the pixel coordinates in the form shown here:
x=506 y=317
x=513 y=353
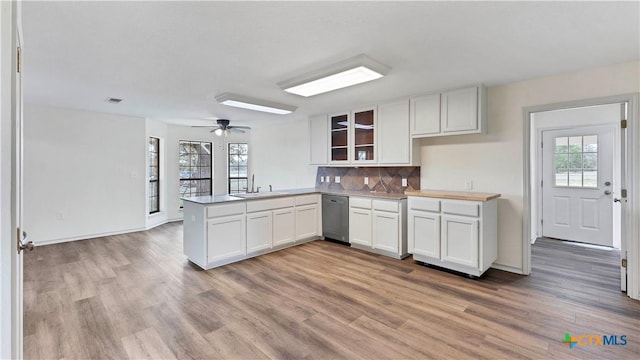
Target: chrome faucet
x=258 y=189
x=253 y=177
x=270 y=188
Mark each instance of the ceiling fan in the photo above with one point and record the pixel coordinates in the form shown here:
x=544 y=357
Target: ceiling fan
x=223 y=128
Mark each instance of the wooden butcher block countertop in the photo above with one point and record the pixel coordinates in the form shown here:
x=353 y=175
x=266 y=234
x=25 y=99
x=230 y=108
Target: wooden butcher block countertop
x=458 y=195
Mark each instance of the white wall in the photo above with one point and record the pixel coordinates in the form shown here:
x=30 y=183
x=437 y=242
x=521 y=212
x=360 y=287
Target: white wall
x=84 y=174
x=495 y=161
x=279 y=156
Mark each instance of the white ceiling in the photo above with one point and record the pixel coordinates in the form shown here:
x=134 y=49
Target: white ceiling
x=168 y=59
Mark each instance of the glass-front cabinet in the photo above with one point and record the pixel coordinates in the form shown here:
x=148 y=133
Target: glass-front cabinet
x=364 y=136
x=353 y=137
x=340 y=138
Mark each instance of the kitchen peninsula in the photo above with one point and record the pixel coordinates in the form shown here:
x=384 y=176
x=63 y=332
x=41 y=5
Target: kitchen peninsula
x=223 y=229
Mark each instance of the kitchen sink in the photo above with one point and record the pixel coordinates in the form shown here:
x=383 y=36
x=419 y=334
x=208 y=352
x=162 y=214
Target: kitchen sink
x=259 y=195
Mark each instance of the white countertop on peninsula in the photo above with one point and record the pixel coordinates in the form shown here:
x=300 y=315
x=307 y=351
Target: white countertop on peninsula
x=217 y=199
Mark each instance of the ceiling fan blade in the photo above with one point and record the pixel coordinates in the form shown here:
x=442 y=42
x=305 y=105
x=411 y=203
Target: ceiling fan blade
x=240 y=127
x=236 y=130
x=204 y=126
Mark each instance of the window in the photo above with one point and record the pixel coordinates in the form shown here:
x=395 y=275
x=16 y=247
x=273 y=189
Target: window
x=238 y=168
x=195 y=168
x=154 y=175
x=576 y=161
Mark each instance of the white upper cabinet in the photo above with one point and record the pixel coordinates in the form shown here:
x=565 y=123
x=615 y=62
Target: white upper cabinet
x=459 y=110
x=425 y=115
x=383 y=134
x=363 y=128
x=318 y=140
x=394 y=142
x=455 y=112
x=339 y=138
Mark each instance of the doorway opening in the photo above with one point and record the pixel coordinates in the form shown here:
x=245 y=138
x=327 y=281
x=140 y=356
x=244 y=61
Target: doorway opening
x=579 y=174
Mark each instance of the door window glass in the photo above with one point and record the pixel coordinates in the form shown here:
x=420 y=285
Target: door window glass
x=576 y=161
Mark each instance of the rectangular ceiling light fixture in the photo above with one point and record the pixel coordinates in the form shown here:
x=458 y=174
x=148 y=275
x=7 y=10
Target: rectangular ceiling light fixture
x=356 y=70
x=254 y=104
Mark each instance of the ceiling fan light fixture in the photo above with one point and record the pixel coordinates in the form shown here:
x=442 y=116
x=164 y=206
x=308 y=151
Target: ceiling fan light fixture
x=356 y=70
x=218 y=132
x=245 y=102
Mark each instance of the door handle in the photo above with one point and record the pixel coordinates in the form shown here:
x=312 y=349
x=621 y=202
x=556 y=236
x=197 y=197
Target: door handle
x=23 y=244
x=607 y=192
x=616 y=200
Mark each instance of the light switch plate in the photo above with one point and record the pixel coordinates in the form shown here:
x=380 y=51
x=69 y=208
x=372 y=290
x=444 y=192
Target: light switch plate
x=337 y=180
x=321 y=179
x=366 y=180
x=404 y=182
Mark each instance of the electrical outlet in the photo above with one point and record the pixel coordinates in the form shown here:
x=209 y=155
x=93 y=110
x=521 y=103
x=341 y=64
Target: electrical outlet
x=59 y=216
x=366 y=180
x=337 y=179
x=193 y=218
x=404 y=182
x=468 y=185
x=321 y=179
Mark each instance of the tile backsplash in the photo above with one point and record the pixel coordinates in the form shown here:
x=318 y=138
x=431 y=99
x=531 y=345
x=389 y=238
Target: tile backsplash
x=381 y=179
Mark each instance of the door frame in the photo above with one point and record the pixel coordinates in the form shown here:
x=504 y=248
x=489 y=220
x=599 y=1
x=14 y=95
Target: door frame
x=11 y=341
x=630 y=178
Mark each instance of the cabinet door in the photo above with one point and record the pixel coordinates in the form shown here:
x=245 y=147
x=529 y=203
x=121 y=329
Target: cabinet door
x=360 y=226
x=364 y=136
x=339 y=138
x=424 y=233
x=425 y=115
x=284 y=226
x=460 y=110
x=460 y=240
x=394 y=142
x=259 y=231
x=306 y=221
x=225 y=237
x=386 y=232
x=318 y=140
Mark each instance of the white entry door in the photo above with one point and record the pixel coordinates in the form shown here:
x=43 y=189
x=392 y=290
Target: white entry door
x=577 y=191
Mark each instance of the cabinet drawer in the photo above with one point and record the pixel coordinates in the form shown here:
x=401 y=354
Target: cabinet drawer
x=270 y=204
x=360 y=203
x=382 y=205
x=466 y=208
x=424 y=204
x=307 y=199
x=225 y=209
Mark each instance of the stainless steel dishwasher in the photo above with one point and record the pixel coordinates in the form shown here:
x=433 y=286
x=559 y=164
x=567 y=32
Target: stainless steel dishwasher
x=335 y=218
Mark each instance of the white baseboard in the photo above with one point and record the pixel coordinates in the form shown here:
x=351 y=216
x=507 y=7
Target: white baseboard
x=510 y=269
x=86 y=237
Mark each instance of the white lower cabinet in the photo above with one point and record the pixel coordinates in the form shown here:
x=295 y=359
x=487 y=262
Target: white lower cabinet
x=385 y=231
x=378 y=226
x=259 y=231
x=221 y=233
x=457 y=234
x=284 y=225
x=225 y=238
x=424 y=234
x=307 y=221
x=360 y=226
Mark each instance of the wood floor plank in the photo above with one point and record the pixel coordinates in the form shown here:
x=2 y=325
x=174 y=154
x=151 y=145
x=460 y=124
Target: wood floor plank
x=136 y=296
x=146 y=344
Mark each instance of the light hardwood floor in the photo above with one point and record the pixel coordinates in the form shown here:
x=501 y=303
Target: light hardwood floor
x=136 y=296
